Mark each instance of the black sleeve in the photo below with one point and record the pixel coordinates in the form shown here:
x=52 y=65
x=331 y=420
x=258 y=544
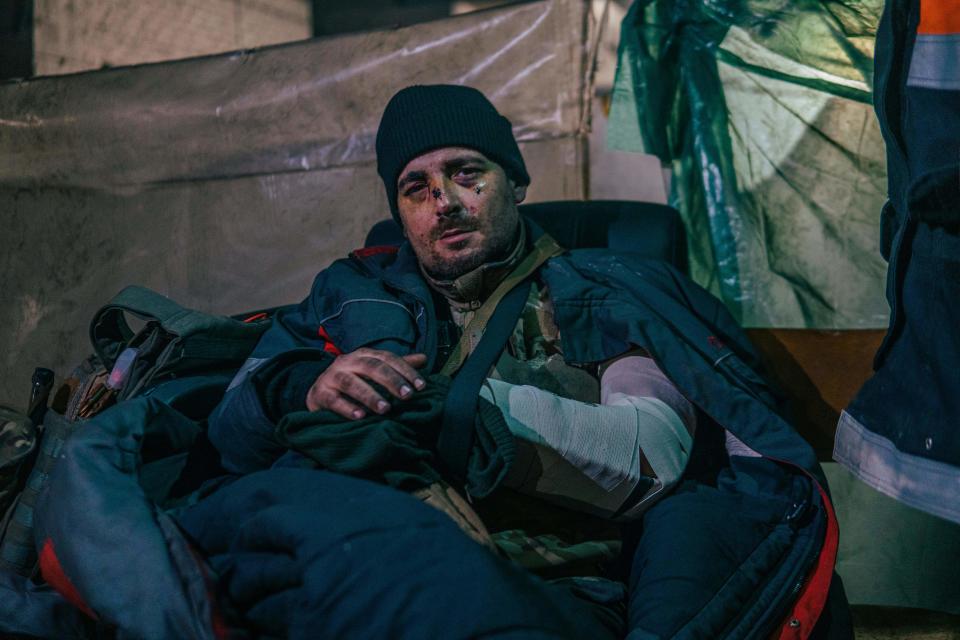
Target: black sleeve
x=283 y=385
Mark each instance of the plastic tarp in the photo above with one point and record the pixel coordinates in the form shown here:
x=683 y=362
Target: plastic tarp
x=227 y=182
x=762 y=108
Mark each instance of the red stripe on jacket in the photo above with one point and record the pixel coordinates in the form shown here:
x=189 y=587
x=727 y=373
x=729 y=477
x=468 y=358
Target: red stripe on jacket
x=328 y=345
x=372 y=251
x=52 y=571
x=813 y=598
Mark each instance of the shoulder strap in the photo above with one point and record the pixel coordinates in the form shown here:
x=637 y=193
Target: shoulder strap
x=493 y=322
x=223 y=336
x=544 y=248
x=460 y=407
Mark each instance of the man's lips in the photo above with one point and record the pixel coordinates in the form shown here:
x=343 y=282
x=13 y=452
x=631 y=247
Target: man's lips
x=454 y=235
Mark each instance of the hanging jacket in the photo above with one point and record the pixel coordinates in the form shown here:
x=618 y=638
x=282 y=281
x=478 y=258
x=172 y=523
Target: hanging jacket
x=899 y=433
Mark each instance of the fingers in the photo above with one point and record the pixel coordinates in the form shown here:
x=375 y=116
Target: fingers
x=337 y=403
x=345 y=394
x=387 y=373
x=406 y=366
x=345 y=387
x=396 y=374
x=356 y=389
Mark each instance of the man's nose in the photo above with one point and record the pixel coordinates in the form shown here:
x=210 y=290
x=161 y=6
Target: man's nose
x=445 y=198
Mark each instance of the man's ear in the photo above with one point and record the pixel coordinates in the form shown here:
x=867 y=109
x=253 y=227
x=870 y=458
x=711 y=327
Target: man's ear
x=519 y=193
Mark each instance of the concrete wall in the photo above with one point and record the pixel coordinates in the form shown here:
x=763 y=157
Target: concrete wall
x=79 y=35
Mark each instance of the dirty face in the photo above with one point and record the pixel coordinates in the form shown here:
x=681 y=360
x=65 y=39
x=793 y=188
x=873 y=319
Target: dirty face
x=459 y=210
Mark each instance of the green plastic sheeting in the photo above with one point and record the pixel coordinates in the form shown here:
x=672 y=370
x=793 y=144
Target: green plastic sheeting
x=762 y=110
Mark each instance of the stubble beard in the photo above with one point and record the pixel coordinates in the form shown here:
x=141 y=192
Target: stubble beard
x=498 y=245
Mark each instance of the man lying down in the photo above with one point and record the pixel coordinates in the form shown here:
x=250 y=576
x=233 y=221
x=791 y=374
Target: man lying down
x=479 y=433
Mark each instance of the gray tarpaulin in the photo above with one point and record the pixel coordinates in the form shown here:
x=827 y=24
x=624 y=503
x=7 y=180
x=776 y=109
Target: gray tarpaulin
x=227 y=182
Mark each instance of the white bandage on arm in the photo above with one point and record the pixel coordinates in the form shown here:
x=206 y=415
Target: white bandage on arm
x=640 y=377
x=667 y=420
x=590 y=454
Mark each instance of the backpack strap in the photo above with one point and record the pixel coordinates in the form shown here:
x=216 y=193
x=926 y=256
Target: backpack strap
x=544 y=249
x=493 y=324
x=204 y=336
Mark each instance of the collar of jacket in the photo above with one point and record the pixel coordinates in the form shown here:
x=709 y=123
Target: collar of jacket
x=470 y=290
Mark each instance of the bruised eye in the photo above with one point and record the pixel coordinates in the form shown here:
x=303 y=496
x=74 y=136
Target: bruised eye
x=468 y=173
x=412 y=189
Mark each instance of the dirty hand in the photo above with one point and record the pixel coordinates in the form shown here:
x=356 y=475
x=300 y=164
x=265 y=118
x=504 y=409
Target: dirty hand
x=344 y=386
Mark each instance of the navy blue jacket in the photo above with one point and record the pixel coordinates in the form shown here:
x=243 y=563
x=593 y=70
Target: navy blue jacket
x=765 y=520
x=899 y=434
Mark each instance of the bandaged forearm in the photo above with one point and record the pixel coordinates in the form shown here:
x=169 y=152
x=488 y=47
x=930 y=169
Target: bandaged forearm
x=589 y=456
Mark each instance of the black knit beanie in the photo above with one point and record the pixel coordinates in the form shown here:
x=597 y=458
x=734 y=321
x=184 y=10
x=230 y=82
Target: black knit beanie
x=426 y=117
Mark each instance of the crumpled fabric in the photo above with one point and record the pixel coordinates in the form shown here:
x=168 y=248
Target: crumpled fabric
x=302 y=553
x=399 y=448
x=37 y=610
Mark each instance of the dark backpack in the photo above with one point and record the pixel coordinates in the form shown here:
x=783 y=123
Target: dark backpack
x=183 y=357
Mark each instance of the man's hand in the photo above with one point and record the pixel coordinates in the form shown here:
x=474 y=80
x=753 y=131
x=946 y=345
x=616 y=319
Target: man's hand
x=343 y=387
